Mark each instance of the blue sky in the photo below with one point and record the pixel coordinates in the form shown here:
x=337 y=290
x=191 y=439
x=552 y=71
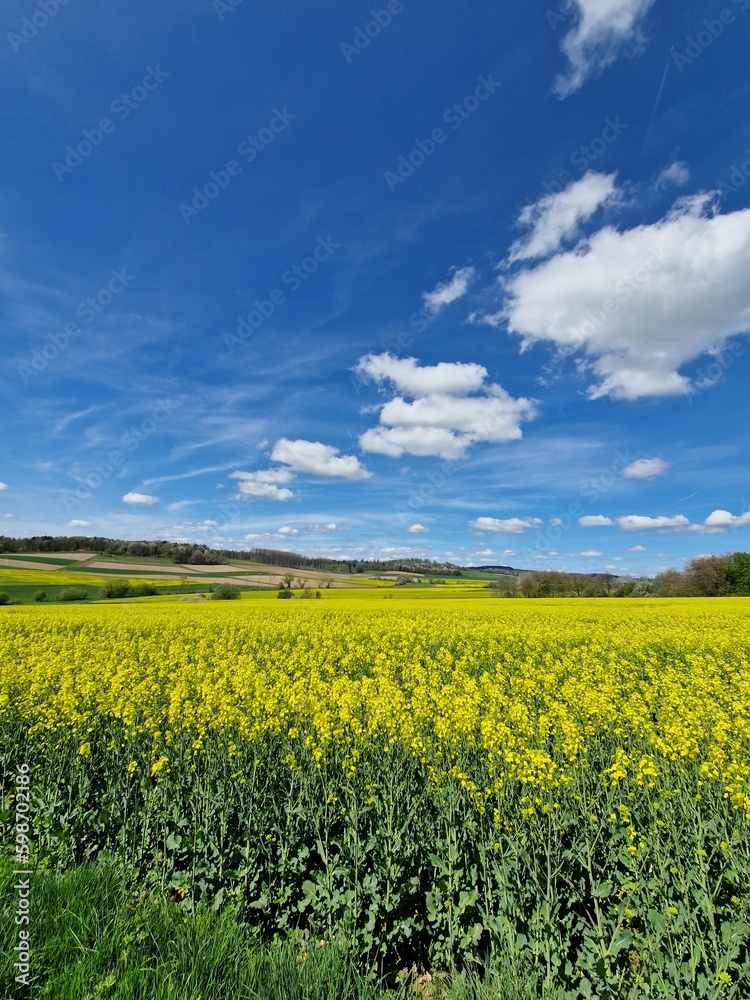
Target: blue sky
x=440 y=280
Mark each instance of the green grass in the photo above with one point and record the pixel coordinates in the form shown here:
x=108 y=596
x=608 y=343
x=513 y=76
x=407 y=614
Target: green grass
x=96 y=936
x=25 y=592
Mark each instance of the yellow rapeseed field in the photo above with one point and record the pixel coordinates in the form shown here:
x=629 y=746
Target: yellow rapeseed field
x=535 y=690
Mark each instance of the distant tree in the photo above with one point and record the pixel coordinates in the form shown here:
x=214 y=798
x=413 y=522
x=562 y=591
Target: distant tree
x=669 y=584
x=578 y=583
x=504 y=586
x=708 y=576
x=739 y=574
x=40 y=596
x=284 y=594
x=72 y=594
x=226 y=592
x=528 y=585
x=4 y=599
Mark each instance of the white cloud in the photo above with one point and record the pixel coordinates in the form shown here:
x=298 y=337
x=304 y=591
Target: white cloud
x=79 y=524
x=640 y=303
x=417 y=529
x=556 y=522
x=591 y=554
x=603 y=28
x=646 y=468
x=638 y=548
x=676 y=173
x=556 y=217
x=449 y=291
x=594 y=521
x=637 y=522
x=140 y=499
x=318 y=459
x=3 y=486
x=415 y=380
x=723 y=519
x=442 y=419
x=507 y=526
x=265 y=484
x=286 y=530
x=323 y=527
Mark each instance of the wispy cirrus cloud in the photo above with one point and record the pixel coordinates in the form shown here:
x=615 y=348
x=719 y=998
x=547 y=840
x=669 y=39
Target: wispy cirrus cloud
x=603 y=28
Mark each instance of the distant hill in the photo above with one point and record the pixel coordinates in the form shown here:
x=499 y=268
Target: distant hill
x=186 y=554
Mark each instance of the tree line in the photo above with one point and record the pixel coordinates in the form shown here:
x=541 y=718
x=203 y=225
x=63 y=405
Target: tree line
x=197 y=554
x=706 y=576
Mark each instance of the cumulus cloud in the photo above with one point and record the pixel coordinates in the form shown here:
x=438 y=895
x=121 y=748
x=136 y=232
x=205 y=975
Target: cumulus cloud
x=602 y=29
x=79 y=524
x=591 y=554
x=638 y=522
x=642 y=302
x=3 y=486
x=417 y=529
x=646 y=468
x=140 y=499
x=412 y=379
x=265 y=484
x=331 y=526
x=676 y=173
x=299 y=456
x=506 y=526
x=723 y=519
x=450 y=291
x=318 y=459
x=555 y=218
x=443 y=419
x=638 y=548
x=594 y=521
x=286 y=530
